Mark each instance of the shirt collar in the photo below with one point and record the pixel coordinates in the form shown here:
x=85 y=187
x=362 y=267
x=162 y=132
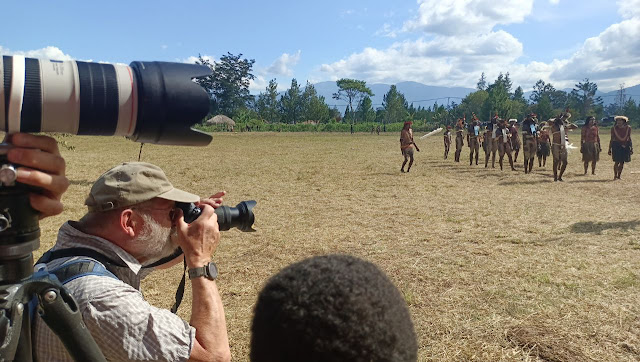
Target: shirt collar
x=70 y=237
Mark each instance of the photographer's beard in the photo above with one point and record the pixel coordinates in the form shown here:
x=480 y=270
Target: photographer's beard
x=155 y=241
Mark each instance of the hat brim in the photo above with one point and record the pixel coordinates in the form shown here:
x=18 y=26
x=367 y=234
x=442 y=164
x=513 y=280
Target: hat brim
x=179 y=196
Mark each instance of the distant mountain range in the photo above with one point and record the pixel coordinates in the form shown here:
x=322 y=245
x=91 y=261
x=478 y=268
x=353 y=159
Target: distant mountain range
x=417 y=93
x=630 y=92
x=426 y=95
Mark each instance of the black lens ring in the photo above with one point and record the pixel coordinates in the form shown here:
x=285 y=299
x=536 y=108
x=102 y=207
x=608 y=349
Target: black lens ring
x=99 y=99
x=31 y=116
x=7 y=65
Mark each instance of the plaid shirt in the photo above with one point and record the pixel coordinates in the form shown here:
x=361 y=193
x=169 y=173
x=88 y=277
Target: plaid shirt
x=125 y=326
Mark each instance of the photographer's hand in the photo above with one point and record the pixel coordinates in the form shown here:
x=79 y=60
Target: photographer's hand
x=199 y=241
x=41 y=166
x=214 y=200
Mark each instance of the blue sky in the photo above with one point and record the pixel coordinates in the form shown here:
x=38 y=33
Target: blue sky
x=435 y=42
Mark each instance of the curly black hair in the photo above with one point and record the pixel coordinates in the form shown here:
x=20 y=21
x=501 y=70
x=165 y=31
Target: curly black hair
x=332 y=308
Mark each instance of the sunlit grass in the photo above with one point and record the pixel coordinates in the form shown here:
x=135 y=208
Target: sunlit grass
x=493 y=265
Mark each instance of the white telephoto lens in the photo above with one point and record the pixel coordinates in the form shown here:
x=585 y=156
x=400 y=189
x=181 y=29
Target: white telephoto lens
x=61 y=96
x=16 y=94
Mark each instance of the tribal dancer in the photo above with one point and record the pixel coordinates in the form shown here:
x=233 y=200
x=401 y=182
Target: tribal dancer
x=504 y=142
x=459 y=138
x=544 y=150
x=565 y=115
x=406 y=145
x=486 y=141
x=491 y=142
x=473 y=132
x=559 y=144
x=620 y=146
x=447 y=141
x=590 y=144
x=515 y=140
x=529 y=144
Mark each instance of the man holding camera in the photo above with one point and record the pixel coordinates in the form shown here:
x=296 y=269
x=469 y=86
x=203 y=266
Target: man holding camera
x=133 y=222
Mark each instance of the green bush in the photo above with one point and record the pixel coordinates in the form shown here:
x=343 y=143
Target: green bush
x=260 y=126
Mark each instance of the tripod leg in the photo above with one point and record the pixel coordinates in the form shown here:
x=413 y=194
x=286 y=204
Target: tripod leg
x=15 y=336
x=24 y=351
x=62 y=315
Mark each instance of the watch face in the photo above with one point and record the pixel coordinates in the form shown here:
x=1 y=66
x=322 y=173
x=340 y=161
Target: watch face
x=212 y=270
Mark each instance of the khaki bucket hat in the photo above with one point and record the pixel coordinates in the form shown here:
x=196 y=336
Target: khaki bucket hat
x=131 y=183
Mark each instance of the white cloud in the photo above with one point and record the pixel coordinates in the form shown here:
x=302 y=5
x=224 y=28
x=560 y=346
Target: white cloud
x=554 y=2
x=629 y=8
x=258 y=84
x=164 y=46
x=456 y=57
x=386 y=31
x=609 y=58
x=284 y=64
x=498 y=44
x=347 y=12
x=453 y=17
x=49 y=52
x=193 y=59
x=443 y=60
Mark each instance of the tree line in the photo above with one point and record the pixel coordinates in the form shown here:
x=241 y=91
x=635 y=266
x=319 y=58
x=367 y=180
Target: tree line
x=228 y=88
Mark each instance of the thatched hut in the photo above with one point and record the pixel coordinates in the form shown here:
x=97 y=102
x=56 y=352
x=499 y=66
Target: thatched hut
x=223 y=121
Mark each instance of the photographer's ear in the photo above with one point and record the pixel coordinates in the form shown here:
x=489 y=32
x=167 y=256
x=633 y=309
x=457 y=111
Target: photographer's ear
x=130 y=223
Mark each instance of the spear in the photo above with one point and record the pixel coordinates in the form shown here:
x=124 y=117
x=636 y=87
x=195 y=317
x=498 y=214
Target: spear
x=431 y=133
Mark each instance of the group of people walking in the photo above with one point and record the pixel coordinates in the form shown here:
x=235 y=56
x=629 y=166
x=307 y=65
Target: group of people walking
x=539 y=139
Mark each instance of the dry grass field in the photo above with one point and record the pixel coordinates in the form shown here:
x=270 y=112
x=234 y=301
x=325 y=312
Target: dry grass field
x=494 y=265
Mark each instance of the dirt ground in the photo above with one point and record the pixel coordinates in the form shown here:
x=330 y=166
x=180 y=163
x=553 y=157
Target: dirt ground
x=494 y=265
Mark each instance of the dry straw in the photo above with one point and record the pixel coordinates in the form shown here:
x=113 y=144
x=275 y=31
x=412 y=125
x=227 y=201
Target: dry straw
x=494 y=265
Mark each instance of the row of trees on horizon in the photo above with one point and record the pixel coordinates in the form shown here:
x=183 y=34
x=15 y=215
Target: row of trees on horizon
x=228 y=88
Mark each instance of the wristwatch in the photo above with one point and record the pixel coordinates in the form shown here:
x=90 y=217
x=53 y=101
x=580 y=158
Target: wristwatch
x=209 y=271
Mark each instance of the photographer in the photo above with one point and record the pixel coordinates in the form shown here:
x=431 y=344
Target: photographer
x=131 y=223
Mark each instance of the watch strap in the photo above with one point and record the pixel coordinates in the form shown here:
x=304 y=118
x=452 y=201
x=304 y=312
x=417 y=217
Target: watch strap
x=197 y=272
x=204 y=271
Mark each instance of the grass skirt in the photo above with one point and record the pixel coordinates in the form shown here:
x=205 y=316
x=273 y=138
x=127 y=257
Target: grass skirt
x=543 y=150
x=620 y=153
x=590 y=152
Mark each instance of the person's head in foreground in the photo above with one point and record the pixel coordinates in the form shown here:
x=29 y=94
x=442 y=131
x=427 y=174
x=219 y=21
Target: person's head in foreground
x=332 y=308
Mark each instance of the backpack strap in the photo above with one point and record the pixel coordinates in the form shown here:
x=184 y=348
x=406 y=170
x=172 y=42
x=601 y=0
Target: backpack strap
x=80 y=268
x=65 y=273
x=107 y=263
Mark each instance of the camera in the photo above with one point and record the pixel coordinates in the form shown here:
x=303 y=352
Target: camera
x=240 y=217
x=150 y=102
x=147 y=102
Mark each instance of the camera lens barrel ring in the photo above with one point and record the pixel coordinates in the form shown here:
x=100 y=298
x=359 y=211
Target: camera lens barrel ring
x=31 y=113
x=99 y=99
